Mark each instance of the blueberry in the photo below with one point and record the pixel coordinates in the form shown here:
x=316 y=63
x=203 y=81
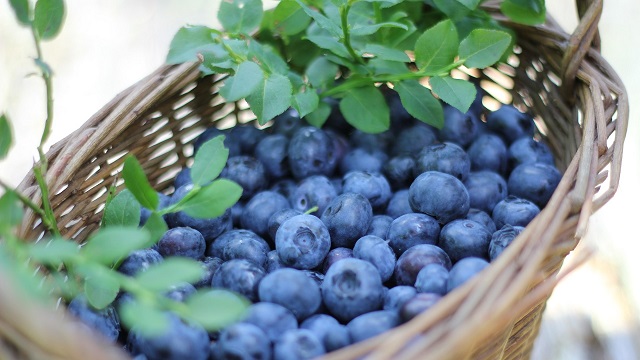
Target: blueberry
x=534 y=181
x=316 y=276
x=445 y=157
x=180 y=292
x=273 y=262
x=368 y=325
x=439 y=195
x=212 y=132
x=337 y=184
x=288 y=123
x=315 y=190
x=178 y=341
x=286 y=187
x=311 y=152
x=514 y=211
x=274 y=319
x=486 y=189
x=412 y=139
x=240 y=244
x=432 y=279
x=247 y=136
x=302 y=242
x=503 y=238
x=334 y=255
x=210 y=228
x=272 y=153
x=292 y=289
x=340 y=145
x=210 y=265
x=163 y=202
x=104 y=322
x=182 y=178
x=331 y=333
x=510 y=123
x=236 y=213
x=417 y=305
x=378 y=252
x=399 y=204
x=352 y=287
x=248 y=172
x=380 y=226
x=374 y=186
x=182 y=241
x=483 y=218
x=464 y=270
x=242 y=341
x=417 y=257
x=138 y=261
x=412 y=229
x=459 y=128
x=371 y=142
x=488 y=152
x=527 y=150
x=347 y=219
x=399 y=171
x=277 y=218
x=239 y=275
x=298 y=344
x=259 y=209
x=359 y=159
x=464 y=238
x=397 y=296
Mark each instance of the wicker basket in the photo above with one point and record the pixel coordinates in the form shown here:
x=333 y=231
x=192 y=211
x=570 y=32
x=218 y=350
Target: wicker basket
x=581 y=109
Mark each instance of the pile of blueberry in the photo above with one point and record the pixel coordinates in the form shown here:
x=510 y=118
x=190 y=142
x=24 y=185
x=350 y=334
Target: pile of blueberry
x=342 y=235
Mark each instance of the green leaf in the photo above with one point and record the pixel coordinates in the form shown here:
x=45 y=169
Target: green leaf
x=289 y=18
x=144 y=319
x=470 y=4
x=114 y=243
x=437 y=47
x=379 y=66
x=212 y=200
x=246 y=79
x=156 y=226
x=270 y=60
x=453 y=9
x=420 y=103
x=329 y=43
x=48 y=18
x=53 y=252
x=171 y=272
x=22 y=277
x=122 y=210
x=528 y=12
x=321 y=72
x=137 y=182
x=305 y=102
x=271 y=97
x=240 y=16
x=386 y=53
x=190 y=41
x=324 y=22
x=101 y=286
x=10 y=211
x=366 y=109
x=455 y=92
x=216 y=308
x=216 y=60
x=22 y=10
x=483 y=47
x=373 y=28
x=320 y=115
x=209 y=161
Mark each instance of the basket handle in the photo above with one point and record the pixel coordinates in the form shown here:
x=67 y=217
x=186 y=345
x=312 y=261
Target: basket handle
x=585 y=37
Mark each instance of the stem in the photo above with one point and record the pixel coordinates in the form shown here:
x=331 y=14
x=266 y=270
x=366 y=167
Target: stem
x=344 y=14
x=46 y=76
x=49 y=218
x=25 y=200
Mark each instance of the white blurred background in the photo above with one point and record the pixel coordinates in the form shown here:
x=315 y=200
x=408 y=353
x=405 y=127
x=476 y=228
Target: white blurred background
x=106 y=46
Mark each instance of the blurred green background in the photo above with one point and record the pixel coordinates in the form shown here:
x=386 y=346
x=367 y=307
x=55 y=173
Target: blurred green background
x=106 y=46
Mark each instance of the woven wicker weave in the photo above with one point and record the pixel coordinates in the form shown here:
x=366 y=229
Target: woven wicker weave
x=581 y=109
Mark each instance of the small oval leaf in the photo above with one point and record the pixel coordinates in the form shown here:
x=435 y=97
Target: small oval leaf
x=247 y=78
x=48 y=18
x=420 y=103
x=216 y=308
x=437 y=47
x=483 y=47
x=271 y=97
x=122 y=210
x=455 y=92
x=212 y=200
x=114 y=243
x=366 y=109
x=170 y=272
x=54 y=251
x=6 y=137
x=209 y=161
x=137 y=182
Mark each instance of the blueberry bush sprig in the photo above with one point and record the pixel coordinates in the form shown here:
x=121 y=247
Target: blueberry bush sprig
x=91 y=272
x=301 y=51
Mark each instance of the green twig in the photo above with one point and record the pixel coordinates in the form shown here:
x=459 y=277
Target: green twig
x=344 y=17
x=49 y=218
x=25 y=200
